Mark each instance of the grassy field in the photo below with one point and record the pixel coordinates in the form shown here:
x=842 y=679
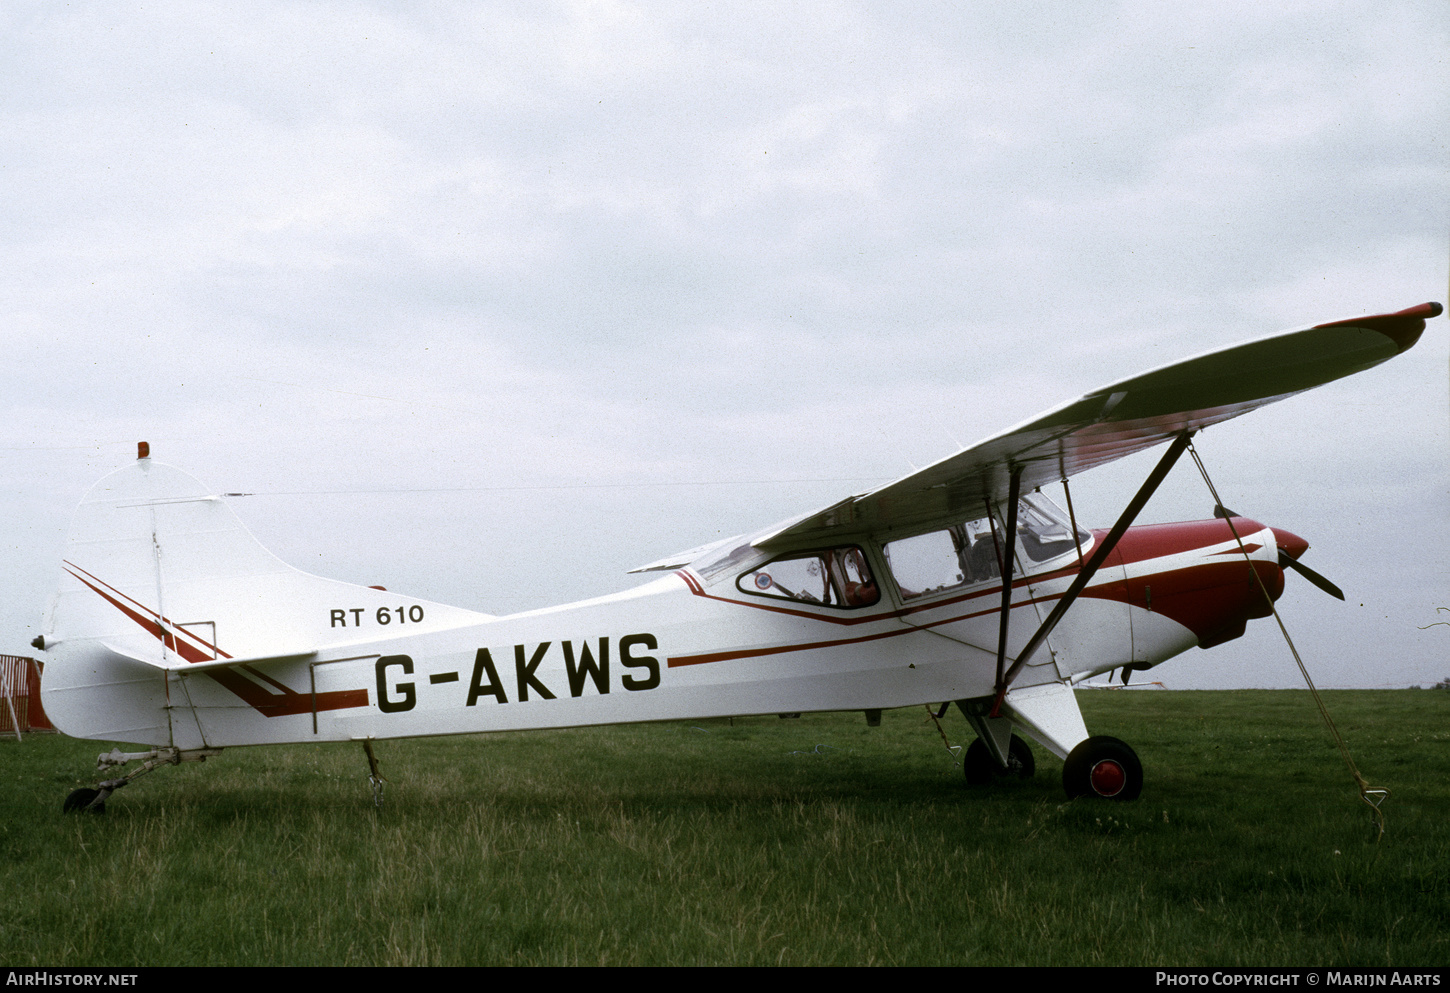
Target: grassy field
x=758 y=841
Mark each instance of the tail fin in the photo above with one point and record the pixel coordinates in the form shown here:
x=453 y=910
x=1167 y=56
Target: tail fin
x=162 y=581
x=159 y=569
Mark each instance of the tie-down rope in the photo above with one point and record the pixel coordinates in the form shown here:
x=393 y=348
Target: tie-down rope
x=1372 y=797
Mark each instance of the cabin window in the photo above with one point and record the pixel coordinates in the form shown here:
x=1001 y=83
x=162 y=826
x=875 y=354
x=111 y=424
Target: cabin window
x=960 y=555
x=832 y=577
x=969 y=553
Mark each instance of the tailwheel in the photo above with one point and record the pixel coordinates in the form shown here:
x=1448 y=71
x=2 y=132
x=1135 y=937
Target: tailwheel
x=980 y=768
x=1105 y=767
x=85 y=800
x=94 y=800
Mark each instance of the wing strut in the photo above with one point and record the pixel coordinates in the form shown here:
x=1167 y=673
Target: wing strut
x=1007 y=556
x=1100 y=554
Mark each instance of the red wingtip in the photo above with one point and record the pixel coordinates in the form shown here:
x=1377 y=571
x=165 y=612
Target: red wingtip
x=1403 y=327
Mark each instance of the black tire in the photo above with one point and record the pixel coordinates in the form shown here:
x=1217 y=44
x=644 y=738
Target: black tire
x=81 y=800
x=1104 y=767
x=978 y=765
x=980 y=768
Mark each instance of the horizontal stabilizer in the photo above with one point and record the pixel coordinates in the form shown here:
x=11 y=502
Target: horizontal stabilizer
x=176 y=663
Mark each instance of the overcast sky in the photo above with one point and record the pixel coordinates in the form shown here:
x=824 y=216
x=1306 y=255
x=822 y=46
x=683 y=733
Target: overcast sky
x=489 y=303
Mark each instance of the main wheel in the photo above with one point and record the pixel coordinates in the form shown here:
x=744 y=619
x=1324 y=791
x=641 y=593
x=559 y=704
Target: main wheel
x=81 y=800
x=1105 y=767
x=979 y=767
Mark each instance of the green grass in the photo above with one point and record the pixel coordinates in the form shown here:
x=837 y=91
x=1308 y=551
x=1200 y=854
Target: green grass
x=757 y=841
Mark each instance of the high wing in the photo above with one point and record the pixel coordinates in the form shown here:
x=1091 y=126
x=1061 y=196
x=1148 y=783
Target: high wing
x=1117 y=420
x=1121 y=419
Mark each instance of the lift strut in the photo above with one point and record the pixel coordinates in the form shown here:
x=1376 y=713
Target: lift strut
x=1007 y=556
x=1085 y=574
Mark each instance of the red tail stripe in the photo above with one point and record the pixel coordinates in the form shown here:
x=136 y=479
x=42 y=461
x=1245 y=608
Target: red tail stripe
x=287 y=702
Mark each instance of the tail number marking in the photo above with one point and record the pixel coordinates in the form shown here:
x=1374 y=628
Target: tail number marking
x=584 y=666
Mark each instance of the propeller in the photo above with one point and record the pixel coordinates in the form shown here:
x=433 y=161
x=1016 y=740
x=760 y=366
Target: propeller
x=1287 y=561
x=1291 y=546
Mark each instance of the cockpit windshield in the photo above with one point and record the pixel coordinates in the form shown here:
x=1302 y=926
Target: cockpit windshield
x=1044 y=531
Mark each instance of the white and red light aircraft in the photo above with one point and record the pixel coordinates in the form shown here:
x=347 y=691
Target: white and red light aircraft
x=174 y=628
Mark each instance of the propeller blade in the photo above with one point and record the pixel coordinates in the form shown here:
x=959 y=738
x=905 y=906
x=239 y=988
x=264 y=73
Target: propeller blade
x=1287 y=561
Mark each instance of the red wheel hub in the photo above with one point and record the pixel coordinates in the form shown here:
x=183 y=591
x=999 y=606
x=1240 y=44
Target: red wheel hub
x=1108 y=778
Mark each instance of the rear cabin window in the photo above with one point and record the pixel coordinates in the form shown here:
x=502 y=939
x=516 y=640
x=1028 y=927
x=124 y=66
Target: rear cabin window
x=832 y=577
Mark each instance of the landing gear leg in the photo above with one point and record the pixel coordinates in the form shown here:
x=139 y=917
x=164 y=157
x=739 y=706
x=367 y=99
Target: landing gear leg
x=1105 y=767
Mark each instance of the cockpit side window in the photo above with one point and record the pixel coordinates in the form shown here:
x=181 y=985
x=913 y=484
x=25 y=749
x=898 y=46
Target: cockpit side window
x=832 y=577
